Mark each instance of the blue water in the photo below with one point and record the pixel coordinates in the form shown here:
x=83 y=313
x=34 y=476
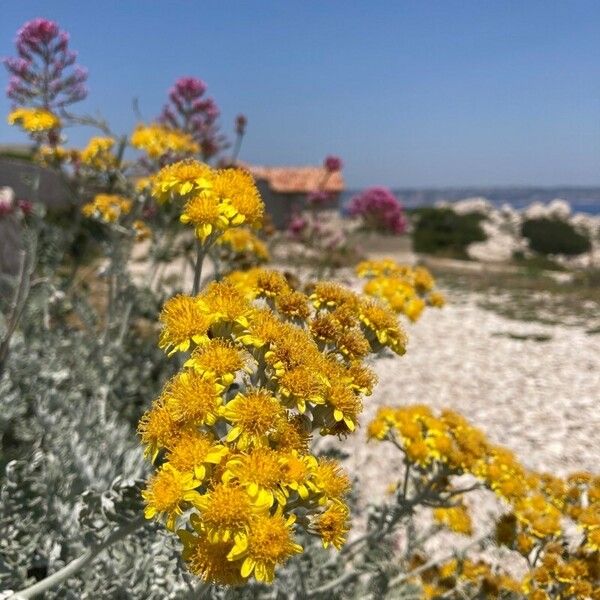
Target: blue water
x=582 y=200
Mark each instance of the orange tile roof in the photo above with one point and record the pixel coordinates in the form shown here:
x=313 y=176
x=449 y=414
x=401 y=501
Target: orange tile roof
x=298 y=180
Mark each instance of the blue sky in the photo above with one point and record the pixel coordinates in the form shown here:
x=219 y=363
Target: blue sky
x=408 y=93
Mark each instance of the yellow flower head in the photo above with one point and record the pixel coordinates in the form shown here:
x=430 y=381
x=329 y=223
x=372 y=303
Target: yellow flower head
x=157 y=430
x=301 y=385
x=225 y=512
x=142 y=231
x=157 y=140
x=253 y=415
x=259 y=471
x=208 y=560
x=236 y=188
x=97 y=154
x=455 y=518
x=383 y=327
x=207 y=215
x=269 y=543
x=331 y=480
x=107 y=207
x=346 y=405
x=34 y=120
x=181 y=179
x=332 y=525
x=219 y=359
x=293 y=305
x=167 y=492
x=291 y=435
x=184 y=321
x=297 y=472
x=243 y=244
x=192 y=399
x=331 y=295
x=193 y=451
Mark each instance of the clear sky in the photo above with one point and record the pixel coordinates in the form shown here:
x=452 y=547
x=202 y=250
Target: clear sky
x=408 y=93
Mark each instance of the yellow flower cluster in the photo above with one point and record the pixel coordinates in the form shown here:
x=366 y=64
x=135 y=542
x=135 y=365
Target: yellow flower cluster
x=407 y=289
x=240 y=245
x=231 y=431
x=214 y=200
x=481 y=580
x=447 y=445
x=55 y=155
x=34 y=120
x=98 y=154
x=107 y=207
x=157 y=140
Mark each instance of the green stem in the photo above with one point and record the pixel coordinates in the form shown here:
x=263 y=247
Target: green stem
x=200 y=254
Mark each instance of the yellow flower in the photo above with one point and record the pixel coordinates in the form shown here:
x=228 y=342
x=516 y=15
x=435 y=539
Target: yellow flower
x=97 y=154
x=142 y=231
x=244 y=244
x=455 y=518
x=436 y=299
x=184 y=321
x=208 y=560
x=263 y=329
x=226 y=511
x=218 y=359
x=167 y=492
x=156 y=140
x=331 y=295
x=158 y=430
x=34 y=120
x=332 y=525
x=226 y=304
x=236 y=188
x=192 y=399
x=331 y=480
x=193 y=451
x=259 y=471
x=254 y=416
x=181 y=179
x=107 y=207
x=414 y=308
x=291 y=434
x=345 y=403
x=293 y=305
x=382 y=324
x=301 y=385
x=207 y=215
x=269 y=543
x=297 y=472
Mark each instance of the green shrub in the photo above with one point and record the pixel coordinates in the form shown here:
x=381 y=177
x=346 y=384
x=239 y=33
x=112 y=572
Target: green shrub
x=442 y=231
x=551 y=236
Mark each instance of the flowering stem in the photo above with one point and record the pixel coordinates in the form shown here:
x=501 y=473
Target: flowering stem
x=200 y=254
x=79 y=563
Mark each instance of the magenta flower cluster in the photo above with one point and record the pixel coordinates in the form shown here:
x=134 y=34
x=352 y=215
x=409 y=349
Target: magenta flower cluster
x=333 y=163
x=379 y=209
x=44 y=72
x=188 y=110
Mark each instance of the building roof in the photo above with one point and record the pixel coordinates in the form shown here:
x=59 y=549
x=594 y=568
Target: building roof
x=298 y=180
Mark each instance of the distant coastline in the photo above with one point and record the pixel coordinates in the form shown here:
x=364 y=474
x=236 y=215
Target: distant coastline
x=582 y=199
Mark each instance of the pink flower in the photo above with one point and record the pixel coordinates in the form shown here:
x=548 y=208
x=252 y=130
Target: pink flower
x=319 y=197
x=25 y=206
x=41 y=74
x=297 y=224
x=333 y=163
x=379 y=209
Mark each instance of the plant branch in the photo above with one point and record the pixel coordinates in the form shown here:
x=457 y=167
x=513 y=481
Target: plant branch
x=78 y=564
